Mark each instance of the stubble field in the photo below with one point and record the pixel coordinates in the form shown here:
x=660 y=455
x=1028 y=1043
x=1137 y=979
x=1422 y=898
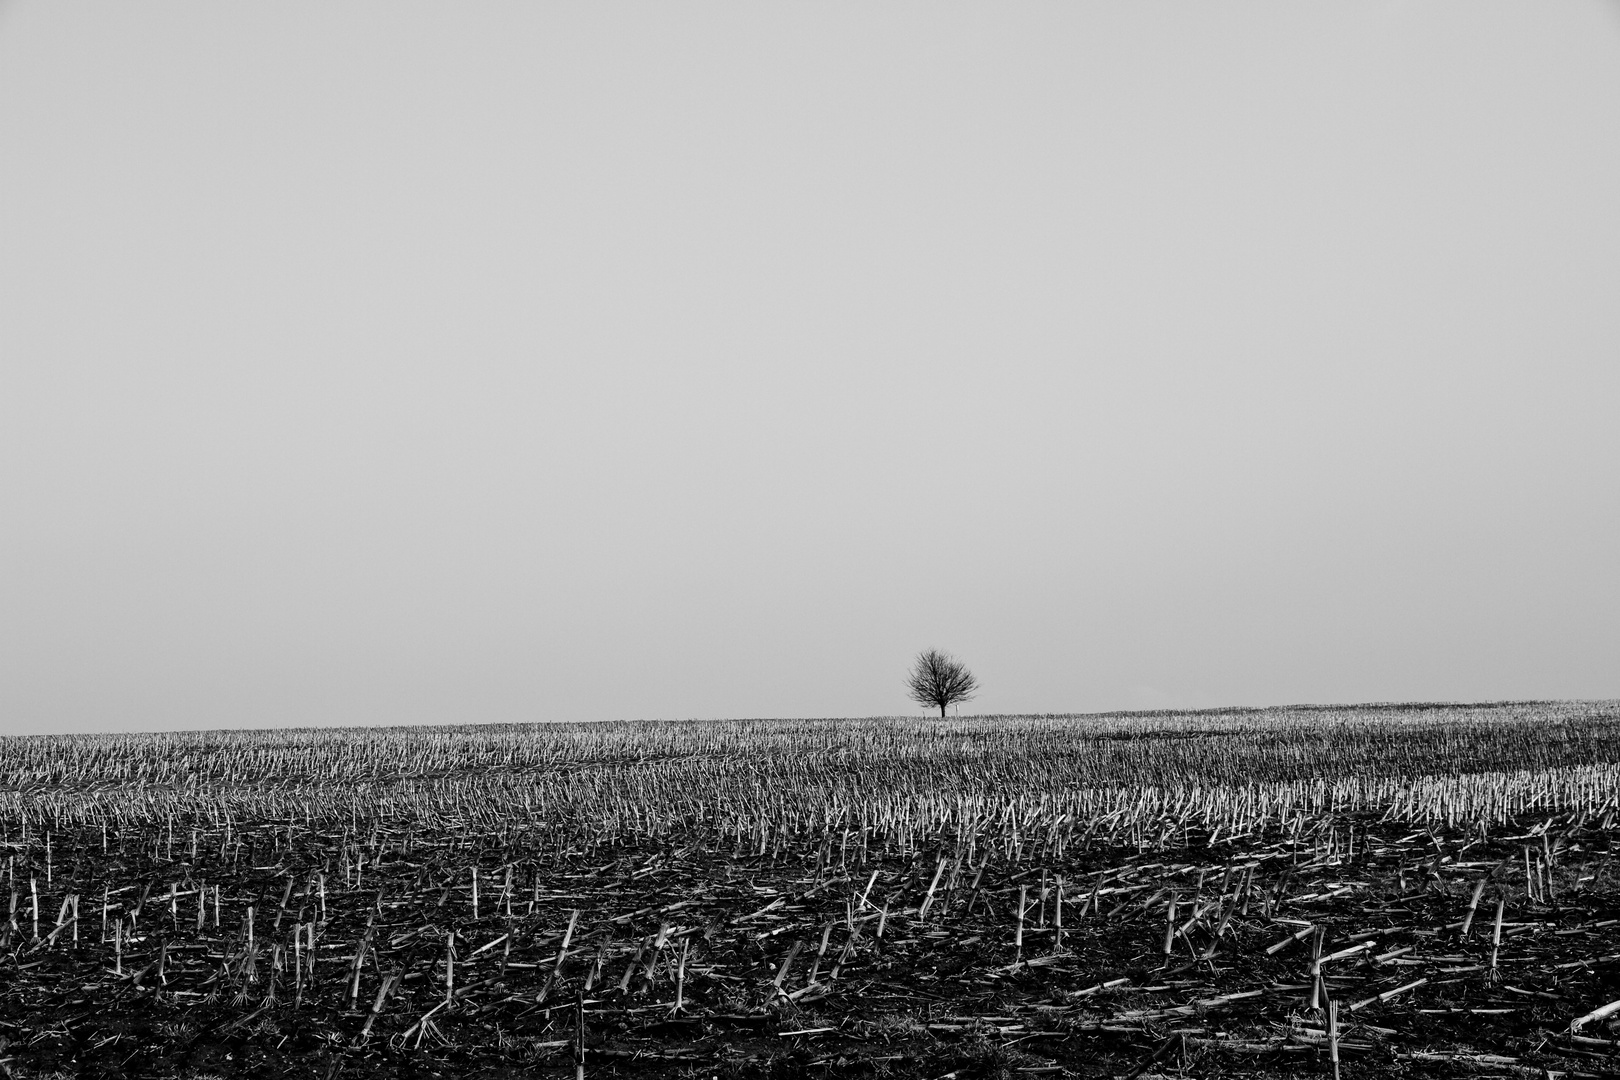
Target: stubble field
x=1412 y=891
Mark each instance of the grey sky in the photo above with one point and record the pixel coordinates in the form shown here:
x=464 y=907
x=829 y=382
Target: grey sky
x=463 y=362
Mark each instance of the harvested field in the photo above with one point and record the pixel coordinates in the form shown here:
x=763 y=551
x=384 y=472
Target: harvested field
x=1416 y=890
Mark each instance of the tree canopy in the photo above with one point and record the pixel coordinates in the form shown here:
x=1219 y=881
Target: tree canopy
x=937 y=678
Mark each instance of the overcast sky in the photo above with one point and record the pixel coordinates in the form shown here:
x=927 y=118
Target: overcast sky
x=370 y=363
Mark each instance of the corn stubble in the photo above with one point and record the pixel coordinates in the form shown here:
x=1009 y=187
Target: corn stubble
x=1360 y=891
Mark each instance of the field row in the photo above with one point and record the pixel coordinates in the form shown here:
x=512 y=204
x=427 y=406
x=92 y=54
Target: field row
x=1421 y=891
x=391 y=948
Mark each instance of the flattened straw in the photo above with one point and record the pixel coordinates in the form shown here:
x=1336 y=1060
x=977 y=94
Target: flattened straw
x=1602 y=1012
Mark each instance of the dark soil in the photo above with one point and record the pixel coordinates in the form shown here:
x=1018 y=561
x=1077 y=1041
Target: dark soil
x=942 y=992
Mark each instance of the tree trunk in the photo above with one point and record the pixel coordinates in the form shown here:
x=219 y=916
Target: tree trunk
x=942 y=710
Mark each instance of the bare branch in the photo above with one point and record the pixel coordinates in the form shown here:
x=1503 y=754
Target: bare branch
x=938 y=679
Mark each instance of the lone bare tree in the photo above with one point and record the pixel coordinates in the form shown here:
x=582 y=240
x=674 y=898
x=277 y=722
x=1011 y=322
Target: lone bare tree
x=940 y=679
